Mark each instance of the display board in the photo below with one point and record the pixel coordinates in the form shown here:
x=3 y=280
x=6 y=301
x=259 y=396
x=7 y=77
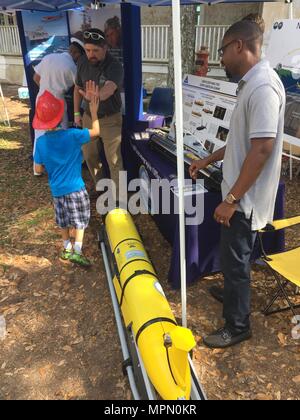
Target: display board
x=107 y=19
x=284 y=55
x=45 y=33
x=207 y=108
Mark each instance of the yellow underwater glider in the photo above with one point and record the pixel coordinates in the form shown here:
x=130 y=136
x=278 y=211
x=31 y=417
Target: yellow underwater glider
x=155 y=349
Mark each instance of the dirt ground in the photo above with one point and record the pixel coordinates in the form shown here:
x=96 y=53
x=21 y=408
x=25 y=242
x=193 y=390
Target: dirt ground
x=61 y=340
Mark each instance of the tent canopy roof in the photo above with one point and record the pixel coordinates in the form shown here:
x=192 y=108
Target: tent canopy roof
x=55 y=5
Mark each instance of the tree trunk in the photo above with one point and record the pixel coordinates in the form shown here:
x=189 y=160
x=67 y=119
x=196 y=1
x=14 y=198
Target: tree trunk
x=188 y=38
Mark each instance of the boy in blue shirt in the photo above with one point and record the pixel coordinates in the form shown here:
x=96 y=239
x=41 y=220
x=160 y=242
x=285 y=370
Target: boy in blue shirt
x=59 y=152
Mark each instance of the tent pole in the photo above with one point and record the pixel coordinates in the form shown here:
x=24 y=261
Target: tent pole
x=291 y=10
x=179 y=141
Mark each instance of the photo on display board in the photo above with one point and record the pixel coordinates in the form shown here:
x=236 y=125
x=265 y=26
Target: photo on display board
x=196 y=114
x=199 y=103
x=107 y=20
x=219 y=112
x=222 y=133
x=45 y=33
x=209 y=146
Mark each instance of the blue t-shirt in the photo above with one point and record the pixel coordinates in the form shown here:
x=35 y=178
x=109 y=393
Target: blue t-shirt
x=60 y=153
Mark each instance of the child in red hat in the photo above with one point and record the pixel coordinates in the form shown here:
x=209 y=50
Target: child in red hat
x=59 y=152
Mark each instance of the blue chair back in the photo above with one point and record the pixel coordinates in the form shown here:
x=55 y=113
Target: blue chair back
x=162 y=102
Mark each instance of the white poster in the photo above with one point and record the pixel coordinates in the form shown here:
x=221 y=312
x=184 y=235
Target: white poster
x=207 y=108
x=45 y=33
x=284 y=55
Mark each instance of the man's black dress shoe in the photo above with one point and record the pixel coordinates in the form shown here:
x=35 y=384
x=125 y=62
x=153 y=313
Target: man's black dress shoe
x=223 y=338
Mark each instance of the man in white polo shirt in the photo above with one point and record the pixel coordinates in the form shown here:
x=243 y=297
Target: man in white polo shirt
x=251 y=172
x=56 y=73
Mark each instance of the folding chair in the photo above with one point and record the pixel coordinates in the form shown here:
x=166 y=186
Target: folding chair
x=284 y=266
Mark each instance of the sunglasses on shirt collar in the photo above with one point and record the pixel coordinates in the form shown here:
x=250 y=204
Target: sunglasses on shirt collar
x=93 y=35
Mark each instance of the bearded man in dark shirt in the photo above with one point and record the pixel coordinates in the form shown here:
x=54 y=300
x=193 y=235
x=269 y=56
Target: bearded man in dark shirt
x=101 y=68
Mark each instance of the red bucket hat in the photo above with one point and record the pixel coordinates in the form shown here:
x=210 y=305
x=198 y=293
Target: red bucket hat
x=49 y=112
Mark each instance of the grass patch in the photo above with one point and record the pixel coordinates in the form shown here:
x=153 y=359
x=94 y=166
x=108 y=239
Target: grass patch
x=5 y=267
x=11 y=133
x=9 y=144
x=13 y=184
x=39 y=216
x=49 y=236
x=6 y=242
x=31 y=225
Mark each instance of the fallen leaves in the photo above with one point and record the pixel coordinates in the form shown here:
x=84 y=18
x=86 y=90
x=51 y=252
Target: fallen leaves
x=79 y=340
x=296 y=379
x=11 y=309
x=282 y=338
x=263 y=397
x=218 y=351
x=30 y=348
x=45 y=370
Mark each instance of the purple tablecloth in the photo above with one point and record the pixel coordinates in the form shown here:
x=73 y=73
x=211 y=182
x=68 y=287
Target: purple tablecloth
x=153 y=120
x=202 y=241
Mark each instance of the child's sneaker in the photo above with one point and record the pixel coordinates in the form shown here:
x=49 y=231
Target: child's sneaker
x=65 y=254
x=80 y=259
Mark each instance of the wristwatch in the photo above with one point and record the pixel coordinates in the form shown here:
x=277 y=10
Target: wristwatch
x=230 y=199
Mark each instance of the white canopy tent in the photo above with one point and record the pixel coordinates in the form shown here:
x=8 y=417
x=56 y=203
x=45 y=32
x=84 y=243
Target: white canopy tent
x=55 y=5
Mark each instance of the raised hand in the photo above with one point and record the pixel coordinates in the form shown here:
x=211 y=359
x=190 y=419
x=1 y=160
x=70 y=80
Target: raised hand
x=91 y=89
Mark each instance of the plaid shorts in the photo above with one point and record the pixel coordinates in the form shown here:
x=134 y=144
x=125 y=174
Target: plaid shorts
x=72 y=210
